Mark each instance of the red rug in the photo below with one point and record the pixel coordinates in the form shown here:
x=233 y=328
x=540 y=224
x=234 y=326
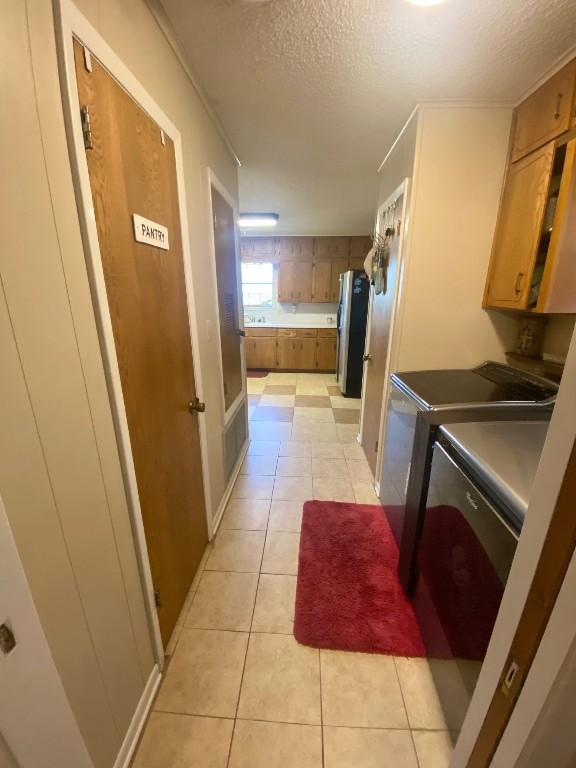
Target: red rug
x=348 y=595
x=254 y=374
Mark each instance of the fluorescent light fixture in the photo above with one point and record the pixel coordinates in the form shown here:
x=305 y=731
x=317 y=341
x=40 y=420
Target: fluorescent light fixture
x=258 y=220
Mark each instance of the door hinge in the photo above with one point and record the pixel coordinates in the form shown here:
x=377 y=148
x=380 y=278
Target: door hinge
x=510 y=677
x=376 y=447
x=86 y=128
x=157 y=600
x=87 y=60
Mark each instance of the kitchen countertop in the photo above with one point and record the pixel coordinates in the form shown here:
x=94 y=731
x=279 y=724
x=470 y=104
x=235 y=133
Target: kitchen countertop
x=281 y=324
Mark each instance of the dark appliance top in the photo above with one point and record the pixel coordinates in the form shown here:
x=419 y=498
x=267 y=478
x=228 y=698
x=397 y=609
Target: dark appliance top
x=488 y=383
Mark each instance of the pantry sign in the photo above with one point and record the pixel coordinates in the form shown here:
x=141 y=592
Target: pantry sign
x=149 y=232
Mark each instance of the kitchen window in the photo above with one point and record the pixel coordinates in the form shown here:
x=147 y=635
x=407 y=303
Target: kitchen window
x=258 y=284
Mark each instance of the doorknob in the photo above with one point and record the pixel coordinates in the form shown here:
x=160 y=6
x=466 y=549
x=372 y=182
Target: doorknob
x=195 y=406
x=367 y=357
x=241 y=333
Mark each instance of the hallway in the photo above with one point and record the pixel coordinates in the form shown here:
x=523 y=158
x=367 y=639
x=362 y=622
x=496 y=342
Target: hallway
x=239 y=691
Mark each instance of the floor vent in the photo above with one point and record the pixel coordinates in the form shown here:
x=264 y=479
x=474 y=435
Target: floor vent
x=234 y=439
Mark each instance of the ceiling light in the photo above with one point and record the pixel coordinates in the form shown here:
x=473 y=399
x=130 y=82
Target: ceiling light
x=256 y=220
x=426 y=2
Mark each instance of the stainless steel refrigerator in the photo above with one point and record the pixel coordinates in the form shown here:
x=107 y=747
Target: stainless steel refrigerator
x=352 y=317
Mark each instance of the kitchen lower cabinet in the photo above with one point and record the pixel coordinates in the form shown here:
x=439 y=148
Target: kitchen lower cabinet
x=296 y=354
x=261 y=352
x=326 y=354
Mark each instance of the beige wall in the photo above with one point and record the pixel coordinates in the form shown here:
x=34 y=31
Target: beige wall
x=559 y=330
x=399 y=163
x=60 y=473
x=458 y=167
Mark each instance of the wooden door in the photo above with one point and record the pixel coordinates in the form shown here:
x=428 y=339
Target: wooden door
x=303 y=281
x=326 y=354
x=321 y=279
x=338 y=267
x=132 y=171
x=295 y=248
x=229 y=306
x=545 y=114
x=519 y=230
x=377 y=342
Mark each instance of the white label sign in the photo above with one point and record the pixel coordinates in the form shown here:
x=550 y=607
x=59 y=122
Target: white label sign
x=146 y=231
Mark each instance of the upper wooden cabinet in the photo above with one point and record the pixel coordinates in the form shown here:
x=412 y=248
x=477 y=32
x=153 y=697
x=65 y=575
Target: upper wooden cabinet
x=295 y=281
x=331 y=247
x=321 y=280
x=546 y=114
x=258 y=249
x=533 y=265
x=338 y=266
x=295 y=248
x=359 y=247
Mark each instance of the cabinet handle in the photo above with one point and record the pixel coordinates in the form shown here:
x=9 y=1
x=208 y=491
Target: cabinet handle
x=518 y=283
x=558 y=106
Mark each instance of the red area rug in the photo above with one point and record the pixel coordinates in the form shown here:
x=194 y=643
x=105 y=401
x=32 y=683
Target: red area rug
x=254 y=374
x=348 y=596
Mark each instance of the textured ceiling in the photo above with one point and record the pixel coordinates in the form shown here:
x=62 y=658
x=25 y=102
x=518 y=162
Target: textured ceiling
x=312 y=92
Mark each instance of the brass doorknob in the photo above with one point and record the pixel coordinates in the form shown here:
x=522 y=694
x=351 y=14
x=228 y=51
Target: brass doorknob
x=195 y=406
x=367 y=357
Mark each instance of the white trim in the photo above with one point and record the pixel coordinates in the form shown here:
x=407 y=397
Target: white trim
x=71 y=23
x=213 y=181
x=228 y=492
x=401 y=191
x=130 y=741
x=167 y=29
x=403 y=130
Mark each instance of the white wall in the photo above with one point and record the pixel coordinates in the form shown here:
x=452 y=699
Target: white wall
x=60 y=472
x=457 y=172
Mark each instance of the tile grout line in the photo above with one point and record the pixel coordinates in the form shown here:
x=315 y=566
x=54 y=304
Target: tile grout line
x=406 y=711
x=321 y=706
x=249 y=636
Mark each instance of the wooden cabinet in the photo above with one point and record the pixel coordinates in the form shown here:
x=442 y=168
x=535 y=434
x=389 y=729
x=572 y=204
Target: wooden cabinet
x=359 y=247
x=331 y=247
x=533 y=264
x=291 y=349
x=326 y=354
x=261 y=352
x=338 y=266
x=295 y=281
x=295 y=248
x=321 y=280
x=546 y=114
x=258 y=249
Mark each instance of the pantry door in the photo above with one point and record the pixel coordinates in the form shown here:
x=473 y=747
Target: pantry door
x=132 y=170
x=378 y=339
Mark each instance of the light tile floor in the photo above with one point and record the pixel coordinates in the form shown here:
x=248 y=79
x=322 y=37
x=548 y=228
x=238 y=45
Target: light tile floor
x=239 y=691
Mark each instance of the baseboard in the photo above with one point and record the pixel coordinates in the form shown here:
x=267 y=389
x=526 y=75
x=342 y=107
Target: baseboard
x=138 y=721
x=228 y=492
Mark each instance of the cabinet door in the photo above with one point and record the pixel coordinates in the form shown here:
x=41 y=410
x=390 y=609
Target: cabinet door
x=359 y=247
x=519 y=229
x=321 y=281
x=287 y=353
x=303 y=281
x=305 y=354
x=546 y=113
x=258 y=248
x=261 y=353
x=326 y=354
x=295 y=248
x=338 y=266
x=331 y=247
x=286 y=281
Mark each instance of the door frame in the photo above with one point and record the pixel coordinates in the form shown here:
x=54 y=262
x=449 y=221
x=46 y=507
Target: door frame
x=214 y=181
x=70 y=24
x=402 y=189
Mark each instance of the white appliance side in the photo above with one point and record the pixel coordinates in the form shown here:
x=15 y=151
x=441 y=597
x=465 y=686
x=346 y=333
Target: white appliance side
x=344 y=331
x=36 y=719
